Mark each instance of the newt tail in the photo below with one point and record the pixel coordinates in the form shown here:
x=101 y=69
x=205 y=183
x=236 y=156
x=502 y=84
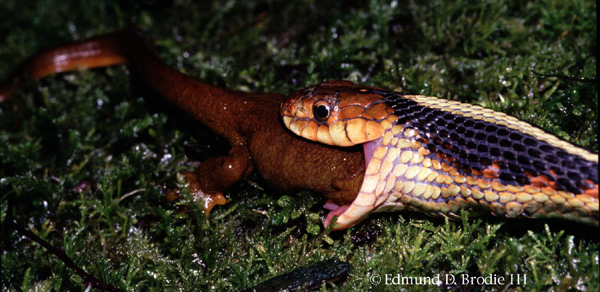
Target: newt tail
x=440 y=157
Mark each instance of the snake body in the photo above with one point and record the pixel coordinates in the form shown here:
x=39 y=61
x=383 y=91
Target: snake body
x=440 y=157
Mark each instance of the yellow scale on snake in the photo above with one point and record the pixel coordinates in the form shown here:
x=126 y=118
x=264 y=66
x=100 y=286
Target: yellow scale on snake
x=440 y=157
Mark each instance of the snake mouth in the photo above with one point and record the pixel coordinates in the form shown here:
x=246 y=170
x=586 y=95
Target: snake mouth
x=351 y=214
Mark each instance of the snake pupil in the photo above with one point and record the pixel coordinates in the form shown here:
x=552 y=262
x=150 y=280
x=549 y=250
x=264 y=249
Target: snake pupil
x=321 y=112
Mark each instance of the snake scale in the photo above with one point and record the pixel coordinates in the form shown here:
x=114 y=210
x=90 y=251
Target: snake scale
x=440 y=157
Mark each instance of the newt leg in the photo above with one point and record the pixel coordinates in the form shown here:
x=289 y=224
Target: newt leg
x=214 y=175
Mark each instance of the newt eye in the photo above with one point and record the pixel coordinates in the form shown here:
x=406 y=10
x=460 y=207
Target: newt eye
x=321 y=111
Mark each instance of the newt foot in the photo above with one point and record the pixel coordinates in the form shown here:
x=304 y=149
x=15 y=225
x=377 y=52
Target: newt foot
x=208 y=200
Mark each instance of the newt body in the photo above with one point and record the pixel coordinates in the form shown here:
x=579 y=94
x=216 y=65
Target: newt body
x=249 y=121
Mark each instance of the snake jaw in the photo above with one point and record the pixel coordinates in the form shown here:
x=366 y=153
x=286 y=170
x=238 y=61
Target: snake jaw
x=351 y=214
x=287 y=120
x=334 y=210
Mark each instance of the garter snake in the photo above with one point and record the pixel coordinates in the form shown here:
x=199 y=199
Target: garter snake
x=439 y=156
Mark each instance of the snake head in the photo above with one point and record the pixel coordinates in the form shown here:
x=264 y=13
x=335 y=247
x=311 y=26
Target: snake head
x=338 y=113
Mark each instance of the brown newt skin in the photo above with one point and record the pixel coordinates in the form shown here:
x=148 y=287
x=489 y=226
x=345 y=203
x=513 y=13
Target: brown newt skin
x=250 y=122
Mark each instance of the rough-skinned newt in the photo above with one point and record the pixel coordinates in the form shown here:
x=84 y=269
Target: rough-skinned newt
x=250 y=122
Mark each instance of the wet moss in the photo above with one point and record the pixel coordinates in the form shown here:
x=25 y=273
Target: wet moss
x=104 y=126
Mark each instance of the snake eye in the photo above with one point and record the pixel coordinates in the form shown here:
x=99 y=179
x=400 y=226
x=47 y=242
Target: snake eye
x=321 y=111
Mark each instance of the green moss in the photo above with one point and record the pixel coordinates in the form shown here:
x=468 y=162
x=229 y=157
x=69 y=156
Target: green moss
x=98 y=125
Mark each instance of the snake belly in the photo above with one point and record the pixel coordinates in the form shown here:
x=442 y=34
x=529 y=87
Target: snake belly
x=440 y=157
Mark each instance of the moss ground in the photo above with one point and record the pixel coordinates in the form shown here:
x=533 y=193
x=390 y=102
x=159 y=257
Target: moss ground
x=533 y=60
